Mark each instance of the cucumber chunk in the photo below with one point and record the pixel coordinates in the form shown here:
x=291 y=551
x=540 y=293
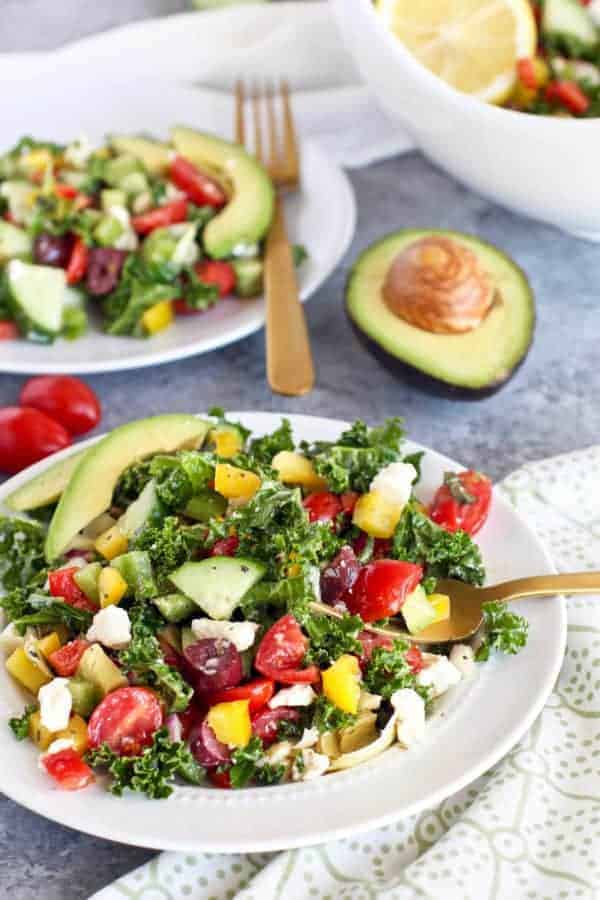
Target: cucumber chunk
x=205 y=506
x=38 y=295
x=87 y=579
x=418 y=612
x=14 y=242
x=136 y=568
x=175 y=607
x=86 y=696
x=217 y=584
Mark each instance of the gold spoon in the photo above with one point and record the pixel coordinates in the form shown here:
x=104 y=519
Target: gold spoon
x=466 y=614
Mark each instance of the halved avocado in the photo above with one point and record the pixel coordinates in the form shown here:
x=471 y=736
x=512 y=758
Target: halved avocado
x=474 y=363
x=90 y=488
x=246 y=218
x=154 y=156
x=46 y=487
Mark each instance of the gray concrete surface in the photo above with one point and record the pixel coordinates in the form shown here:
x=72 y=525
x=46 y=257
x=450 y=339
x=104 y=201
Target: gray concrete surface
x=550 y=406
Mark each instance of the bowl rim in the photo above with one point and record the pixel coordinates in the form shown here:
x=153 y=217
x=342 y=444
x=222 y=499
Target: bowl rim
x=490 y=111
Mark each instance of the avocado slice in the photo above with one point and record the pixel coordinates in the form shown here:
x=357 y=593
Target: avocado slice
x=46 y=487
x=246 y=217
x=90 y=488
x=154 y=156
x=473 y=364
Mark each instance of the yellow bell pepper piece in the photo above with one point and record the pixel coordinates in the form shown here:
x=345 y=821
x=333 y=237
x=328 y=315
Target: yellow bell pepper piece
x=441 y=604
x=40 y=736
x=76 y=731
x=25 y=671
x=112 y=587
x=35 y=161
x=235 y=483
x=158 y=317
x=227 y=442
x=293 y=468
x=376 y=515
x=341 y=683
x=231 y=722
x=49 y=644
x=111 y=543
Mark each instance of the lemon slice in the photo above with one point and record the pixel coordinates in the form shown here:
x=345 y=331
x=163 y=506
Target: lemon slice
x=473 y=45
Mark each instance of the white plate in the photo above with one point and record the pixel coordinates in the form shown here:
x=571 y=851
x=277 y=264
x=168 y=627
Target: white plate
x=322 y=216
x=473 y=728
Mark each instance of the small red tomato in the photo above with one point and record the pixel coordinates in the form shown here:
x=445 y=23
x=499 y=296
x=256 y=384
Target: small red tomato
x=370 y=641
x=67 y=191
x=213 y=271
x=569 y=95
x=414 y=658
x=66 y=659
x=8 y=330
x=68 y=769
x=323 y=507
x=62 y=584
x=26 y=436
x=226 y=546
x=220 y=779
x=127 y=720
x=169 y=214
x=381 y=588
x=462 y=502
x=348 y=501
x=258 y=692
x=200 y=188
x=281 y=652
x=527 y=74
x=66 y=399
x=78 y=262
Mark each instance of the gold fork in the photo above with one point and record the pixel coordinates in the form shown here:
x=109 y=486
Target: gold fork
x=290 y=367
x=466 y=614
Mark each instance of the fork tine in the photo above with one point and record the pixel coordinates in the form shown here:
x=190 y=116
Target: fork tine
x=258 y=142
x=290 y=141
x=240 y=132
x=274 y=158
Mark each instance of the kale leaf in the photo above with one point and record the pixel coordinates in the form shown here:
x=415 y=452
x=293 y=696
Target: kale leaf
x=388 y=671
x=248 y=764
x=21 y=552
x=325 y=716
x=263 y=449
x=153 y=771
x=330 y=638
x=20 y=724
x=168 y=545
x=131 y=483
x=40 y=609
x=504 y=630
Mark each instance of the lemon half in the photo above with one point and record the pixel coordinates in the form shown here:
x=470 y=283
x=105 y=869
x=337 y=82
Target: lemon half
x=473 y=45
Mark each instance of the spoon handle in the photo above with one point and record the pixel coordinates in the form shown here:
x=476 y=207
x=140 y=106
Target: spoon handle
x=544 y=585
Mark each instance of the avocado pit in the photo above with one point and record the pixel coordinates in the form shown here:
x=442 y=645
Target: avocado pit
x=438 y=285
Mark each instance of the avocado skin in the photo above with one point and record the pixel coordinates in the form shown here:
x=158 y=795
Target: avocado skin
x=418 y=378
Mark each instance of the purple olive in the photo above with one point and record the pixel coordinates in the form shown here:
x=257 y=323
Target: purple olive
x=50 y=250
x=205 y=747
x=216 y=662
x=339 y=576
x=104 y=270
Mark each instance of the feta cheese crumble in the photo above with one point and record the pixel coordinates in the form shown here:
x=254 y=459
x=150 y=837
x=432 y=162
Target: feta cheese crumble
x=463 y=658
x=55 y=704
x=308 y=765
x=297 y=695
x=410 y=712
x=395 y=482
x=439 y=676
x=111 y=626
x=241 y=634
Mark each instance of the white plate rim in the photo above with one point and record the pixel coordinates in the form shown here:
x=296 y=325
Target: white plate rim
x=251 y=801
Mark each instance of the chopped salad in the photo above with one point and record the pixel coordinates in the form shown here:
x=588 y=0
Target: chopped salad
x=174 y=638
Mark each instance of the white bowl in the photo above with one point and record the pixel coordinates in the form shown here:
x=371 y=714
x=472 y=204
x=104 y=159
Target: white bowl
x=543 y=166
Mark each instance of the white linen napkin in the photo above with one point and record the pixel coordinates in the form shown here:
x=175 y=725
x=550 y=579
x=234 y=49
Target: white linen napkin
x=530 y=828
x=298 y=41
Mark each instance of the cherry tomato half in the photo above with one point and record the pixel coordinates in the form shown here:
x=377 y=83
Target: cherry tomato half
x=9 y=331
x=220 y=779
x=323 y=507
x=66 y=659
x=78 y=262
x=370 y=641
x=200 y=188
x=68 y=769
x=226 y=546
x=281 y=652
x=214 y=271
x=169 y=214
x=258 y=692
x=26 y=436
x=414 y=658
x=381 y=588
x=62 y=584
x=126 y=720
x=66 y=399
x=462 y=502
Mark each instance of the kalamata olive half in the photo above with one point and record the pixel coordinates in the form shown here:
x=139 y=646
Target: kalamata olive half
x=50 y=250
x=206 y=749
x=104 y=270
x=339 y=576
x=265 y=724
x=217 y=663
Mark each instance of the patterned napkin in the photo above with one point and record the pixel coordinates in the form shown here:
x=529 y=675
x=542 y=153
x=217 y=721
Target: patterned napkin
x=530 y=828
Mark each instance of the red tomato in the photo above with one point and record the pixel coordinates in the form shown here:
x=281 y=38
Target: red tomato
x=370 y=641
x=66 y=399
x=220 y=779
x=381 y=588
x=266 y=723
x=226 y=547
x=182 y=309
x=126 y=720
x=281 y=652
x=348 y=501
x=452 y=508
x=78 y=262
x=65 y=190
x=414 y=658
x=258 y=692
x=213 y=271
x=201 y=190
x=68 y=769
x=62 y=584
x=8 y=330
x=26 y=436
x=323 y=507
x=169 y=214
x=66 y=659
x=569 y=95
x=527 y=74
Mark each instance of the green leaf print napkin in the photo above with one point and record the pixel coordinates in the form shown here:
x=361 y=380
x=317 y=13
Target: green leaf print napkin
x=530 y=828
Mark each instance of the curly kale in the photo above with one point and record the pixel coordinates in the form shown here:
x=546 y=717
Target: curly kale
x=153 y=771
x=20 y=724
x=504 y=630
x=131 y=483
x=330 y=638
x=249 y=765
x=24 y=609
x=325 y=716
x=182 y=476
x=218 y=413
x=263 y=449
x=445 y=554
x=168 y=545
x=388 y=671
x=21 y=552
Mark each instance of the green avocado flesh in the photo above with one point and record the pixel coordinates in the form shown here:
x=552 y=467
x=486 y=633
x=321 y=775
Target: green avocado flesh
x=478 y=360
x=90 y=488
x=155 y=156
x=46 y=487
x=246 y=218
